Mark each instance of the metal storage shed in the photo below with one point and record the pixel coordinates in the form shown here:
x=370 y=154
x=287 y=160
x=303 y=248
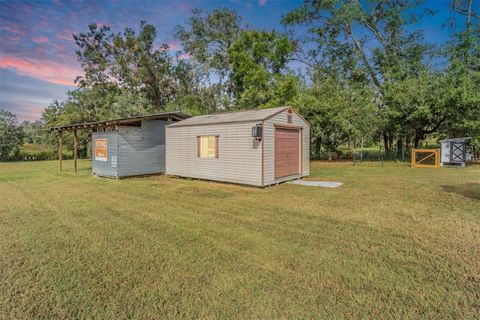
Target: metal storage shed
x=127 y=146
x=256 y=147
x=454 y=151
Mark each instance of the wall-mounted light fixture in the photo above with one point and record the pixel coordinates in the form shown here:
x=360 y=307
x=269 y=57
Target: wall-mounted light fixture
x=257 y=131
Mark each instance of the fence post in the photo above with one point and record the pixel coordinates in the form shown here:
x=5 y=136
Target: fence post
x=412 y=158
x=437 y=158
x=75 y=147
x=60 y=152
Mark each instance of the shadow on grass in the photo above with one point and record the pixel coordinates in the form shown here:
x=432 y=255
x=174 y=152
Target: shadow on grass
x=469 y=190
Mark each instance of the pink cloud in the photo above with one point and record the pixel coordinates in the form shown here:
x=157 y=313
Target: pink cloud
x=30 y=111
x=49 y=71
x=44 y=23
x=13 y=28
x=66 y=35
x=60 y=47
x=174 y=46
x=101 y=24
x=183 y=6
x=262 y=2
x=40 y=39
x=184 y=56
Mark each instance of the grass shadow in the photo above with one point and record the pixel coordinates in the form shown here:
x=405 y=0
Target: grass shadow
x=469 y=190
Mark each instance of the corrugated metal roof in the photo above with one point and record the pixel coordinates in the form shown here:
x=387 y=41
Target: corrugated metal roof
x=229 y=117
x=157 y=116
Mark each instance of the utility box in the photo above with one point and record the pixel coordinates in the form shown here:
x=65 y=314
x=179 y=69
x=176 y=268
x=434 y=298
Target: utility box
x=454 y=151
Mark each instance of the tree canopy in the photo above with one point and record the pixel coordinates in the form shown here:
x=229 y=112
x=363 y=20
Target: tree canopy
x=367 y=73
x=11 y=136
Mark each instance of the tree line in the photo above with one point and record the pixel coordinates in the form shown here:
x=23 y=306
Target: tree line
x=361 y=72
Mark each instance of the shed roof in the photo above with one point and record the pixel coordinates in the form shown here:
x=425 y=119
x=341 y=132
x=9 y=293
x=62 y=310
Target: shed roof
x=229 y=117
x=464 y=139
x=122 y=121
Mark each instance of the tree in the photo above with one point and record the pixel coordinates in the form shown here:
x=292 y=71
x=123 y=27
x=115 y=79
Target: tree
x=341 y=30
x=259 y=60
x=126 y=63
x=207 y=38
x=193 y=96
x=461 y=84
x=369 y=75
x=11 y=135
x=337 y=116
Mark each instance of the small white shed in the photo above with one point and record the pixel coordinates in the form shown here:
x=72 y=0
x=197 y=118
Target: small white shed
x=454 y=151
x=255 y=147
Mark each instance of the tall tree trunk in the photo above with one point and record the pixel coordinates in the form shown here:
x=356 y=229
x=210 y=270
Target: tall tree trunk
x=418 y=138
x=317 y=148
x=400 y=147
x=385 y=141
x=361 y=149
x=390 y=143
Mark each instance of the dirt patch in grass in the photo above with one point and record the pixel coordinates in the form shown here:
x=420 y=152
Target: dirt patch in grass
x=203 y=192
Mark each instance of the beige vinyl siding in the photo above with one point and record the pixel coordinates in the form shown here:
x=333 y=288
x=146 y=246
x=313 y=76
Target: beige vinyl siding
x=269 y=144
x=239 y=155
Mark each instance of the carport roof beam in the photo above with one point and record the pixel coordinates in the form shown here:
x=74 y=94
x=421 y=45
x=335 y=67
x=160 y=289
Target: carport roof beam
x=169 y=116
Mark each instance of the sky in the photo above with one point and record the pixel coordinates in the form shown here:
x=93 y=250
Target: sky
x=37 y=53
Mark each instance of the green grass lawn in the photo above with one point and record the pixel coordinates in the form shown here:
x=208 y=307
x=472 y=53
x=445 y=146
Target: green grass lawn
x=393 y=242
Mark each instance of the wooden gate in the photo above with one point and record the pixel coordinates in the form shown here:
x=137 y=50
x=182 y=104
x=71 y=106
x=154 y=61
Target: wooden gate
x=425 y=158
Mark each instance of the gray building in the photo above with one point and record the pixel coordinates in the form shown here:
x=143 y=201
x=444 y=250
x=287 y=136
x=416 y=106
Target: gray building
x=127 y=146
x=131 y=148
x=256 y=147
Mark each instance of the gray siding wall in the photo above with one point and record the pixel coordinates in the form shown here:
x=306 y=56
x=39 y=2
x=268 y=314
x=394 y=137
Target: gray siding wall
x=142 y=149
x=239 y=158
x=269 y=145
x=104 y=168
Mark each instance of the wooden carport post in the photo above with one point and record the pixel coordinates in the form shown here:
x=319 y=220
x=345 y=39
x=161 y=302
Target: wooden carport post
x=75 y=147
x=60 y=148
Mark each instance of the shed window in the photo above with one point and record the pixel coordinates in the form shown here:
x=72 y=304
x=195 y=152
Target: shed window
x=207 y=146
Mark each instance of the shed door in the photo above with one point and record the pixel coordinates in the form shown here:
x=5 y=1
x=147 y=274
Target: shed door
x=287 y=152
x=458 y=152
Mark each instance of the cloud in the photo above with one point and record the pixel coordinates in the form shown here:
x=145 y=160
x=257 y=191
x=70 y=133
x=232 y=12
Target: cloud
x=26 y=96
x=66 y=35
x=11 y=27
x=174 y=46
x=30 y=111
x=184 y=56
x=49 y=71
x=262 y=2
x=40 y=39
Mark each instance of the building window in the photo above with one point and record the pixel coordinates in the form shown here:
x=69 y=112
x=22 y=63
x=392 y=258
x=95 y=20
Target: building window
x=289 y=119
x=207 y=146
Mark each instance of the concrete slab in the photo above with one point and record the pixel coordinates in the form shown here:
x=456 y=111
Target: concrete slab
x=321 y=184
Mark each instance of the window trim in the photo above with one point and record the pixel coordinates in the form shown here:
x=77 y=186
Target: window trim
x=199 y=146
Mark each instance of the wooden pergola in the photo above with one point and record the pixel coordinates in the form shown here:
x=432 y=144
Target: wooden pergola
x=107 y=125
